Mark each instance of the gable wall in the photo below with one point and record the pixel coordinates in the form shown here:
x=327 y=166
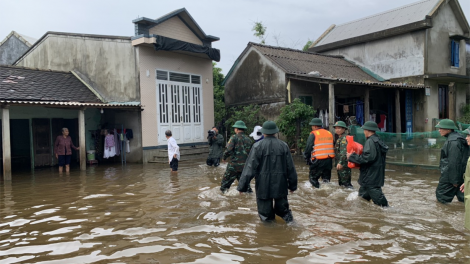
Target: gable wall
x=109 y=64
x=11 y=50
x=255 y=80
x=176 y=29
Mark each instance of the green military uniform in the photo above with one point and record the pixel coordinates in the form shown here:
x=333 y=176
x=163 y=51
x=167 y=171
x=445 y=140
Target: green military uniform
x=215 y=150
x=238 y=148
x=467 y=189
x=454 y=156
x=372 y=171
x=270 y=162
x=320 y=167
x=344 y=175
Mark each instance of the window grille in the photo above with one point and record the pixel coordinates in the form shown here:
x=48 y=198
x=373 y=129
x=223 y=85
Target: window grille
x=162 y=75
x=179 y=77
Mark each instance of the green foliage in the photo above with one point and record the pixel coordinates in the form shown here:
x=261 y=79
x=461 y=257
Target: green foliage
x=293 y=122
x=307 y=45
x=249 y=114
x=219 y=101
x=259 y=31
x=465 y=118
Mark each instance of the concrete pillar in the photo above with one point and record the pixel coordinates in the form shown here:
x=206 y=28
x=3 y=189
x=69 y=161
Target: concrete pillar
x=6 y=143
x=81 y=138
x=366 y=105
x=397 y=111
x=452 y=103
x=331 y=109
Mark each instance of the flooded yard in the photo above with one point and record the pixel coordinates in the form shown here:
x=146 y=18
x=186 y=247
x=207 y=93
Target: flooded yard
x=143 y=214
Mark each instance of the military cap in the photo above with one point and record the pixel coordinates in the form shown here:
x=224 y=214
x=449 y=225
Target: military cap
x=466 y=131
x=269 y=128
x=316 y=122
x=340 y=124
x=240 y=124
x=446 y=124
x=370 y=125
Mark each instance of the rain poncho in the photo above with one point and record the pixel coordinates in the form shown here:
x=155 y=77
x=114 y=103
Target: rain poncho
x=467 y=196
x=216 y=146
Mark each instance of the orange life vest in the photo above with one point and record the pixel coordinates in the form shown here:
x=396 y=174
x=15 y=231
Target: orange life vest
x=323 y=146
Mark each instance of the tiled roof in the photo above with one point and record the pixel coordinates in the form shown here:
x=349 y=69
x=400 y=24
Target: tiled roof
x=25 y=84
x=300 y=62
x=76 y=104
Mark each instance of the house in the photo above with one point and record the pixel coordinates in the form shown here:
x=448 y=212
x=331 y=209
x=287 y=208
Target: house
x=423 y=42
x=273 y=77
x=13 y=46
x=36 y=104
x=166 y=68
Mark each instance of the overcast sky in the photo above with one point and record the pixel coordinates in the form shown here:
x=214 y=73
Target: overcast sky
x=292 y=22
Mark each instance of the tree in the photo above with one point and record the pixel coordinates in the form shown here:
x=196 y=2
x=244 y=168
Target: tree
x=249 y=114
x=307 y=45
x=219 y=100
x=293 y=122
x=259 y=31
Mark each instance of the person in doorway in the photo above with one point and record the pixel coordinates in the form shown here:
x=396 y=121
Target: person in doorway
x=238 y=148
x=372 y=161
x=270 y=162
x=319 y=153
x=467 y=183
x=454 y=156
x=173 y=151
x=257 y=135
x=216 y=144
x=344 y=172
x=63 y=150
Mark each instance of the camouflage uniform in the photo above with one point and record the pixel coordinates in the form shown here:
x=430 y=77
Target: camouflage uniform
x=238 y=148
x=344 y=175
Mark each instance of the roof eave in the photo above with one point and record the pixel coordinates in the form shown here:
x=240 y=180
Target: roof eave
x=420 y=25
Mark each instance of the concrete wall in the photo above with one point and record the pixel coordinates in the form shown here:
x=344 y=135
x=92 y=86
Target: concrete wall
x=108 y=63
x=175 y=28
x=11 y=50
x=255 y=80
x=467 y=56
x=438 y=54
x=150 y=60
x=393 y=57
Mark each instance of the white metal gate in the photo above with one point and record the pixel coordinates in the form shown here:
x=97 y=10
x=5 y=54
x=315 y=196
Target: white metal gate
x=179 y=107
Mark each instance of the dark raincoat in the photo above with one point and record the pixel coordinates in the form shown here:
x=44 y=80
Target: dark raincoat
x=270 y=163
x=454 y=157
x=216 y=146
x=372 y=161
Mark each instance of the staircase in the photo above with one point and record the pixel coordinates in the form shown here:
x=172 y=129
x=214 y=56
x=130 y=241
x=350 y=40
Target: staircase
x=186 y=154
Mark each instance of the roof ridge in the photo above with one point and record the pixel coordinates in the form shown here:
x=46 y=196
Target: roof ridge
x=385 y=12
x=285 y=57
x=32 y=69
x=295 y=50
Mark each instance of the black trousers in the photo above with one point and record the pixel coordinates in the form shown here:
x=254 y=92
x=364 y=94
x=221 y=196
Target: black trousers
x=320 y=168
x=267 y=212
x=374 y=193
x=213 y=161
x=174 y=164
x=445 y=192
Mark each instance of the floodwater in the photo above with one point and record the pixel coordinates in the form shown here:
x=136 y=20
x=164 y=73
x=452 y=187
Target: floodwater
x=143 y=214
x=421 y=156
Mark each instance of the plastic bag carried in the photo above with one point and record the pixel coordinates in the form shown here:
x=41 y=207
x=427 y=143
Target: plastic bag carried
x=353 y=147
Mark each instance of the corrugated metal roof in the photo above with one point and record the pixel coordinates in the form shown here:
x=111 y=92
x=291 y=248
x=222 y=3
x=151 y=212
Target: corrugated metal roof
x=389 y=19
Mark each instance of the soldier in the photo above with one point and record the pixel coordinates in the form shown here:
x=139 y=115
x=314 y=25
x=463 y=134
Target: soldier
x=270 y=162
x=216 y=142
x=319 y=153
x=344 y=172
x=372 y=161
x=238 y=148
x=454 y=156
x=466 y=191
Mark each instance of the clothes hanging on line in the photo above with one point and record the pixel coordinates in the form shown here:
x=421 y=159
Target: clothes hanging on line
x=118 y=145
x=128 y=148
x=372 y=117
x=383 y=123
x=359 y=112
x=109 y=146
x=345 y=109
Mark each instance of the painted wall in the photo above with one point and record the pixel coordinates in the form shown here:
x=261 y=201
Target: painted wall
x=438 y=55
x=150 y=60
x=176 y=29
x=393 y=57
x=11 y=50
x=108 y=63
x=255 y=80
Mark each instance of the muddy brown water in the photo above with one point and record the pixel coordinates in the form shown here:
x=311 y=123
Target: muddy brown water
x=143 y=214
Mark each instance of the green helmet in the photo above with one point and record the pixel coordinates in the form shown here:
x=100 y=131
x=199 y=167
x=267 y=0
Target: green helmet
x=269 y=128
x=370 y=125
x=446 y=124
x=466 y=131
x=316 y=122
x=340 y=124
x=240 y=124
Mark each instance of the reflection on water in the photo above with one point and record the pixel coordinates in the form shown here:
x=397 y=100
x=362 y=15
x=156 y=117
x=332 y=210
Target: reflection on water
x=423 y=156
x=145 y=214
